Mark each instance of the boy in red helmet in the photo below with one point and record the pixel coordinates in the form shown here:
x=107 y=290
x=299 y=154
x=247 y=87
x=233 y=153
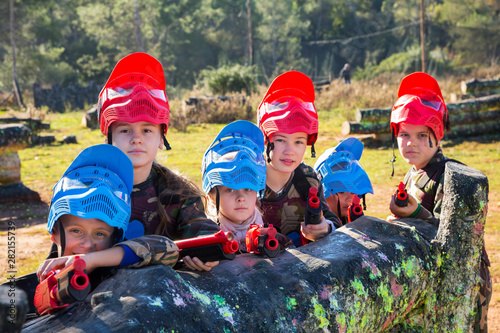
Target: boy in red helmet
x=418 y=120
x=133 y=114
x=289 y=120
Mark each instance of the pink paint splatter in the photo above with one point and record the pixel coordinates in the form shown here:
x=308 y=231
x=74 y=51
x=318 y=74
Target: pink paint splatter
x=179 y=301
x=397 y=289
x=478 y=228
x=325 y=292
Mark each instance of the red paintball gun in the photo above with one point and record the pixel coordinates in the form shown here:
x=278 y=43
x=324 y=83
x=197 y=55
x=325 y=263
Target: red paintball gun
x=59 y=290
x=401 y=198
x=218 y=246
x=355 y=209
x=261 y=240
x=313 y=211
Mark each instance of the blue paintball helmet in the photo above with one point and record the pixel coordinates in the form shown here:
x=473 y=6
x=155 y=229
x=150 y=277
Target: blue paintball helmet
x=235 y=159
x=96 y=185
x=339 y=170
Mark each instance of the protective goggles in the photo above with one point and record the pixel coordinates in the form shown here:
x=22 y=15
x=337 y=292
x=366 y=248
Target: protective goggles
x=270 y=107
x=125 y=86
x=424 y=101
x=340 y=162
x=234 y=154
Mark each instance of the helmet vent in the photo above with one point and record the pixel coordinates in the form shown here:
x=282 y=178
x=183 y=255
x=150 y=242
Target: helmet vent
x=244 y=174
x=100 y=203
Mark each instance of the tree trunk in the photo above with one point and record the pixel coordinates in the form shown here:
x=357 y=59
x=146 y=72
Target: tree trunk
x=250 y=38
x=350 y=127
x=16 y=89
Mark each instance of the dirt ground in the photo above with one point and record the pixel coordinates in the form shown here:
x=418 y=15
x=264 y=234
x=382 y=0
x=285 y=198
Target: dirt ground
x=33 y=242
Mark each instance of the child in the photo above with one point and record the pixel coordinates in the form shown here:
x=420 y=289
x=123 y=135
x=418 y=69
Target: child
x=289 y=121
x=133 y=113
x=343 y=177
x=233 y=172
x=89 y=214
x=418 y=120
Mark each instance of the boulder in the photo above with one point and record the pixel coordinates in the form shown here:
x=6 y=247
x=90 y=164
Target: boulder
x=368 y=276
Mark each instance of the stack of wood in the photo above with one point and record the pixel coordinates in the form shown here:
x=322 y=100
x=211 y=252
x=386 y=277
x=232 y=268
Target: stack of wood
x=479 y=88
x=472 y=117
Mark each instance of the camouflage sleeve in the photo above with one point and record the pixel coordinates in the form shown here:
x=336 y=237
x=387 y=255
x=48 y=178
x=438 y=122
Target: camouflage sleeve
x=154 y=250
x=192 y=220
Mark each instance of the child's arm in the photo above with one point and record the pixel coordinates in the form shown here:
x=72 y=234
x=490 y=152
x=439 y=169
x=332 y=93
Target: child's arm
x=105 y=258
x=413 y=210
x=152 y=250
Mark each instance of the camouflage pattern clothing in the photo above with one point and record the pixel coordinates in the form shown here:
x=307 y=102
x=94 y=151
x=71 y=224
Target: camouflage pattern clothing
x=153 y=250
x=286 y=210
x=427 y=186
x=186 y=214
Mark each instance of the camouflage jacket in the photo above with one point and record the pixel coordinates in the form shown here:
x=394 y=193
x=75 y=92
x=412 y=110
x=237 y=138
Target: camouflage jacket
x=187 y=217
x=286 y=210
x=427 y=186
x=153 y=250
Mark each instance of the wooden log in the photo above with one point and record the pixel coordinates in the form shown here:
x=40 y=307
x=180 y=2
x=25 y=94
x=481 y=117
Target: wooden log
x=475 y=85
x=33 y=123
x=477 y=129
x=368 y=276
x=475 y=117
x=373 y=115
x=351 y=127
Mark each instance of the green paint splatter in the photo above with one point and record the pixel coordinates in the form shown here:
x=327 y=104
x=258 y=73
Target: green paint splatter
x=399 y=247
x=320 y=313
x=358 y=286
x=290 y=302
x=383 y=291
x=220 y=300
x=410 y=267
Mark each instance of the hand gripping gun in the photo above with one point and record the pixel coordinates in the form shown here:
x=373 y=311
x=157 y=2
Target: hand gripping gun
x=59 y=290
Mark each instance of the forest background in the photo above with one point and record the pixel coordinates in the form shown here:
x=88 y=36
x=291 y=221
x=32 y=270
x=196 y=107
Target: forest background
x=201 y=41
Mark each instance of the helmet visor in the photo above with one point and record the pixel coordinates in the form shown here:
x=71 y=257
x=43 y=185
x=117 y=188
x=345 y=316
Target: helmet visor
x=275 y=106
x=124 y=86
x=234 y=155
x=426 y=102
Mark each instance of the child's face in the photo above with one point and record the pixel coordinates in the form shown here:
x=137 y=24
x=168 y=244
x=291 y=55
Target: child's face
x=413 y=142
x=140 y=141
x=342 y=198
x=83 y=235
x=236 y=205
x=288 y=150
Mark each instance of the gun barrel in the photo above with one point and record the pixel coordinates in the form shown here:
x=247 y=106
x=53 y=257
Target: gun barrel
x=313 y=209
x=401 y=198
x=221 y=237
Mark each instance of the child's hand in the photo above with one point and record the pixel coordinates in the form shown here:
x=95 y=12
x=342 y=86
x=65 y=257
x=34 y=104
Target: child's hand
x=313 y=232
x=196 y=264
x=403 y=211
x=50 y=265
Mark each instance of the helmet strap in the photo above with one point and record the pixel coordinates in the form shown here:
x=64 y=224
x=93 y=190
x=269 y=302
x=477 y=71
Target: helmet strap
x=393 y=159
x=313 y=151
x=430 y=141
x=110 y=140
x=364 y=202
x=165 y=142
x=62 y=237
x=270 y=146
x=217 y=202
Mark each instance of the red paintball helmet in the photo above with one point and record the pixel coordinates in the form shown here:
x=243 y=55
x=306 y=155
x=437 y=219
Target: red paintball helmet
x=135 y=91
x=288 y=107
x=420 y=102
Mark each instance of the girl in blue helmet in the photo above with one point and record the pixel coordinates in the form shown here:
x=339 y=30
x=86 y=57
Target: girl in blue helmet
x=89 y=217
x=342 y=176
x=90 y=211
x=234 y=177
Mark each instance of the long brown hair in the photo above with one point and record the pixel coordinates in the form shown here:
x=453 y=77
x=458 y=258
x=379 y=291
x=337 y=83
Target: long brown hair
x=172 y=185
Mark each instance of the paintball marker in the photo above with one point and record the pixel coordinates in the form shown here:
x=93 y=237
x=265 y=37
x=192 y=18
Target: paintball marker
x=401 y=198
x=210 y=247
x=59 y=290
x=313 y=211
x=260 y=240
x=355 y=209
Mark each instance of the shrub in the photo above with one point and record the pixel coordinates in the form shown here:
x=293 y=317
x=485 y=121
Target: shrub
x=227 y=79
